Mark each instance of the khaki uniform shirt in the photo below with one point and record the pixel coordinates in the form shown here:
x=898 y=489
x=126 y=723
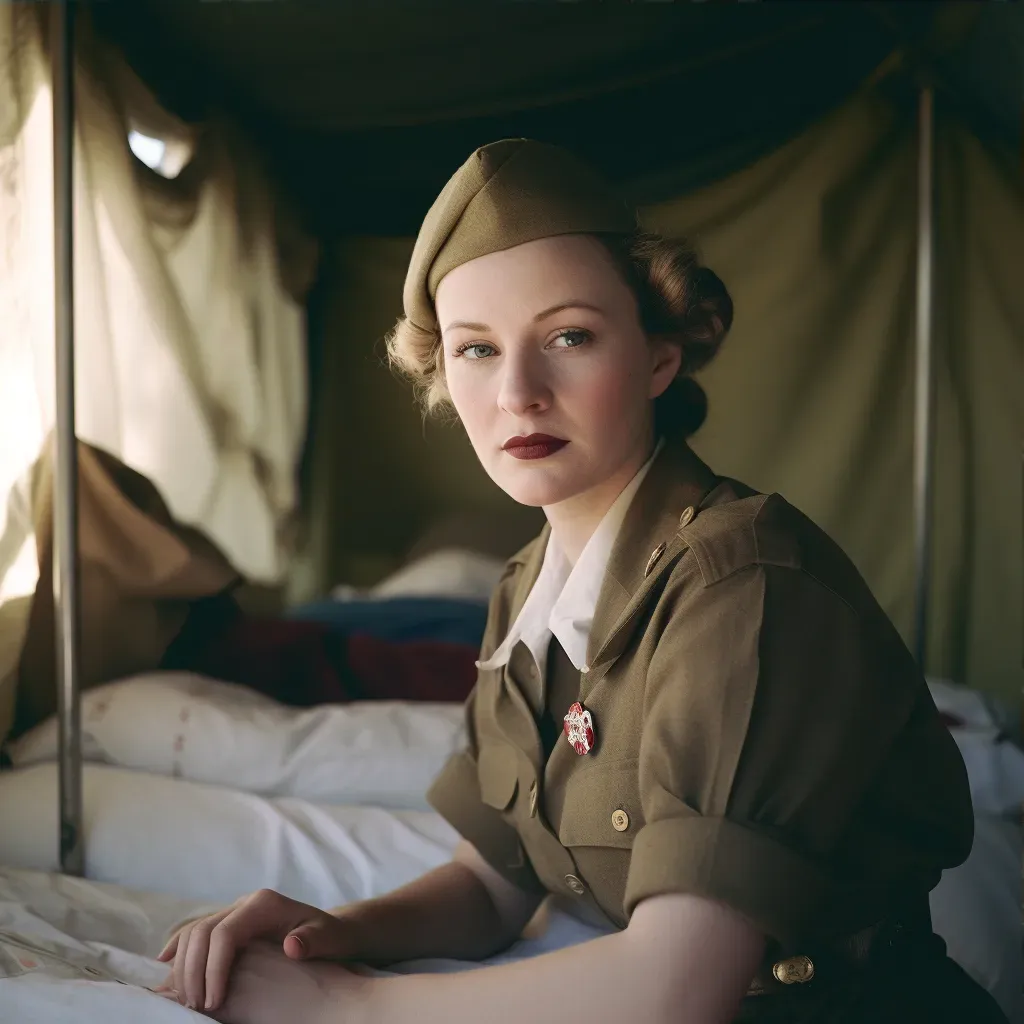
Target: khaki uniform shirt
x=763 y=738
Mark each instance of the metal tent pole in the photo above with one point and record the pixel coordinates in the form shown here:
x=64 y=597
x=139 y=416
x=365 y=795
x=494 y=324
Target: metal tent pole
x=924 y=376
x=65 y=451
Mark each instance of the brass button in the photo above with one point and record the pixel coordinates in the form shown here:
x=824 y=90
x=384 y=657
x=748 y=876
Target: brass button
x=575 y=885
x=533 y=799
x=620 y=820
x=794 y=970
x=655 y=555
x=687 y=517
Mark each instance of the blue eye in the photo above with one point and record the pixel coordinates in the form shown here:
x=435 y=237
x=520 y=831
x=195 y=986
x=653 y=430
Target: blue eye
x=473 y=350
x=574 y=337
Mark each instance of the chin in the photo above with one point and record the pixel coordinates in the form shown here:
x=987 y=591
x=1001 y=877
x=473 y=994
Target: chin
x=530 y=485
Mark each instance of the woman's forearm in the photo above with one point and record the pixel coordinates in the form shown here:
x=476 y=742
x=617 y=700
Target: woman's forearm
x=447 y=913
x=599 y=980
x=682 y=960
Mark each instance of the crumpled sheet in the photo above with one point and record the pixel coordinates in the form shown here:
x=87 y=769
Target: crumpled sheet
x=71 y=949
x=77 y=950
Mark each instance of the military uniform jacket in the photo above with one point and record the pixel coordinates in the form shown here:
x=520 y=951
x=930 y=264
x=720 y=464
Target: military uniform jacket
x=763 y=738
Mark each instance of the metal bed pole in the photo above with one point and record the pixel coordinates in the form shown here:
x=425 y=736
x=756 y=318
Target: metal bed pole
x=65 y=450
x=924 y=375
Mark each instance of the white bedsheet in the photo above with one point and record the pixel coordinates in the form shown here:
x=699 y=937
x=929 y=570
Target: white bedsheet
x=215 y=844
x=209 y=844
x=977 y=909
x=77 y=950
x=72 y=950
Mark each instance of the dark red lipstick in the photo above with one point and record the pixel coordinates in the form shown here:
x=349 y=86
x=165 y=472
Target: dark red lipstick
x=533 y=446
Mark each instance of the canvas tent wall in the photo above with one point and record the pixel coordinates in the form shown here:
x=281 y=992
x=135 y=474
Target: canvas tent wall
x=785 y=143
x=784 y=137
x=812 y=395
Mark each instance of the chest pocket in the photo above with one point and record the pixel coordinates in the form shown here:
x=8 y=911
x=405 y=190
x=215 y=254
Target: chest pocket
x=498 y=771
x=602 y=807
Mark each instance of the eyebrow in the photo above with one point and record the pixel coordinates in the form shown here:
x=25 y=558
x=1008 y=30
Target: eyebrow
x=543 y=315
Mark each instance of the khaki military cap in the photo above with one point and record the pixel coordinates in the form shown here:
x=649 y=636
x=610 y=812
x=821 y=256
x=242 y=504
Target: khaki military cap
x=505 y=194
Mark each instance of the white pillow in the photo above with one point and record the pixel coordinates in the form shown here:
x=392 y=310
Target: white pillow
x=212 y=845
x=995 y=765
x=176 y=723
x=972 y=707
x=451 y=572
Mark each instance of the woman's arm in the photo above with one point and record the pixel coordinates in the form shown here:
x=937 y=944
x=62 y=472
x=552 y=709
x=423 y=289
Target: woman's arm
x=463 y=910
x=682 y=960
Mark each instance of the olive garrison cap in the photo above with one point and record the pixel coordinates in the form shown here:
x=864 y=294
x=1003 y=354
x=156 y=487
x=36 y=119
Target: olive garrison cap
x=505 y=194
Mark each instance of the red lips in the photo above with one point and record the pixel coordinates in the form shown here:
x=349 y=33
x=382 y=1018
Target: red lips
x=533 y=446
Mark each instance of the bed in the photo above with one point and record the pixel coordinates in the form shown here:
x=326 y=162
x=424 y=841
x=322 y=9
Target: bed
x=198 y=791
x=325 y=804
x=90 y=946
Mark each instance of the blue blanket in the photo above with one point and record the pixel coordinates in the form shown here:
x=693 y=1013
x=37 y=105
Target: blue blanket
x=445 y=620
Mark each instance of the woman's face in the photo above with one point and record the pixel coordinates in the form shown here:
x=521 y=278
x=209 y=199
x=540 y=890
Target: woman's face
x=545 y=339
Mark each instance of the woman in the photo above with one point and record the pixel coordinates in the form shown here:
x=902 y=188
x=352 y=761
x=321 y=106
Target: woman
x=691 y=721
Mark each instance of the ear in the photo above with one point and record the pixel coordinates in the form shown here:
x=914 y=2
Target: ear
x=667 y=358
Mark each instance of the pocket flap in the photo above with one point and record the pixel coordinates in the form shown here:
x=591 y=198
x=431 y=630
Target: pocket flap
x=498 y=768
x=602 y=807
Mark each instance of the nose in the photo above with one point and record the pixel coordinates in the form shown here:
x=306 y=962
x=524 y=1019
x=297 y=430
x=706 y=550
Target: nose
x=524 y=385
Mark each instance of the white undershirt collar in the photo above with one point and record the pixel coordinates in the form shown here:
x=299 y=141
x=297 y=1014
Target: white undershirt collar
x=563 y=599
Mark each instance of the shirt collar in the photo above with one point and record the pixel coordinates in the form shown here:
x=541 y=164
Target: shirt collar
x=563 y=599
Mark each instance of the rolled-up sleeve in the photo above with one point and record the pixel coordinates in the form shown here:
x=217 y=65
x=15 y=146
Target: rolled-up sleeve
x=769 y=716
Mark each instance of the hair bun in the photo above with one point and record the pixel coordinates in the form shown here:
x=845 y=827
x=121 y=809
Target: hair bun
x=708 y=319
x=680 y=410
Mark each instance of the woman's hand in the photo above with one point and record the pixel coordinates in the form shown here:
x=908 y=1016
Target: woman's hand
x=204 y=950
x=268 y=987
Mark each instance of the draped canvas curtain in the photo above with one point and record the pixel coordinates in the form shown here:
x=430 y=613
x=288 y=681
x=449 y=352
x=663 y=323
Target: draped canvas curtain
x=813 y=394
x=190 y=334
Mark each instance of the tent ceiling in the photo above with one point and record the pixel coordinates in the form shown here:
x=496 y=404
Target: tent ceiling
x=344 y=67
x=366 y=108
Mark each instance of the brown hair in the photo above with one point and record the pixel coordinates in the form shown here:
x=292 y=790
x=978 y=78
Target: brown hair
x=679 y=300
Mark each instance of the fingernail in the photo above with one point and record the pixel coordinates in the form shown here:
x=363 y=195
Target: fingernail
x=302 y=945
x=209 y=1002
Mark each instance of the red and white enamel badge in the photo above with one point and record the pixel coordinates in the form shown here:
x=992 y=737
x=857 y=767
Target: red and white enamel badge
x=579 y=728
